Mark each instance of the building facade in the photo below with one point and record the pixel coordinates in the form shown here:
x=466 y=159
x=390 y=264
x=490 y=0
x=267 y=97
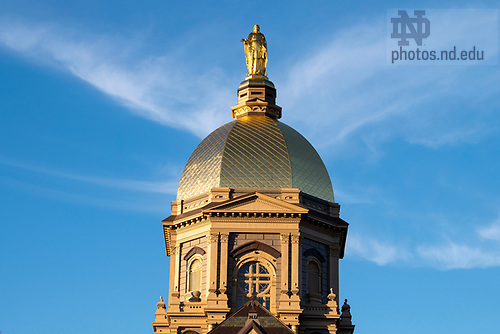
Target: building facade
x=255 y=231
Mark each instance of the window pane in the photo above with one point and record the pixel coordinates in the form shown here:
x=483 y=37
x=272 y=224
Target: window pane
x=195 y=276
x=254 y=278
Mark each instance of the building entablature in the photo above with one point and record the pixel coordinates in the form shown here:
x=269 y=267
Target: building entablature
x=276 y=213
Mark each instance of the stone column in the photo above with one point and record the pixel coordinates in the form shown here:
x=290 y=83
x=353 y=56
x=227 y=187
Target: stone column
x=285 y=242
x=212 y=256
x=171 y=285
x=296 y=259
x=333 y=275
x=224 y=237
x=295 y=263
x=216 y=308
x=223 y=262
x=177 y=252
x=175 y=256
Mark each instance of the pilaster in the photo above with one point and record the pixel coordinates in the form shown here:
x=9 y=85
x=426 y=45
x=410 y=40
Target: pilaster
x=174 y=300
x=224 y=238
x=285 y=244
x=216 y=308
x=333 y=265
x=296 y=261
x=212 y=256
x=290 y=310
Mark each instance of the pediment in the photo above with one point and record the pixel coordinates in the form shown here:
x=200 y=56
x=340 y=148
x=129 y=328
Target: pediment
x=257 y=203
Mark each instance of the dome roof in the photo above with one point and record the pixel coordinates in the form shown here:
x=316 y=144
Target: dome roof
x=255 y=152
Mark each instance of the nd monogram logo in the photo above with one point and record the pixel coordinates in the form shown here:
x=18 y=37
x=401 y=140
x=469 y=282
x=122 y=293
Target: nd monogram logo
x=419 y=27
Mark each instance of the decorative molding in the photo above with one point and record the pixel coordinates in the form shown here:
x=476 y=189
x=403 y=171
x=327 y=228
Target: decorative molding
x=334 y=251
x=174 y=250
x=255 y=245
x=224 y=237
x=193 y=251
x=285 y=238
x=273 y=111
x=255 y=198
x=213 y=237
x=252 y=218
x=315 y=253
x=296 y=238
x=166 y=233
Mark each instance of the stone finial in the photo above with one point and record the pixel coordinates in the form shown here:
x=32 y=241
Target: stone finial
x=332 y=303
x=346 y=308
x=161 y=310
x=345 y=316
x=331 y=295
x=161 y=304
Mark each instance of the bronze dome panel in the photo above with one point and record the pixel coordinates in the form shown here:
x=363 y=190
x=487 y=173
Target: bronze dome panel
x=202 y=171
x=255 y=152
x=255 y=156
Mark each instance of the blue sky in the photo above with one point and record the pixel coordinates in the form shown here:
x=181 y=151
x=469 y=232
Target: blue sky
x=103 y=102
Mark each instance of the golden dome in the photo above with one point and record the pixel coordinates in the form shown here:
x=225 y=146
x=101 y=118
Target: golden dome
x=255 y=151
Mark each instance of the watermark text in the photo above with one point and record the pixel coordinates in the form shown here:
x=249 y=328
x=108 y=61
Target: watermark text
x=433 y=55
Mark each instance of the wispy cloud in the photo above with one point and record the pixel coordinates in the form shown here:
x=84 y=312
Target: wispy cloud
x=490 y=232
x=347 y=84
x=481 y=250
x=122 y=194
x=476 y=252
x=168 y=186
x=453 y=136
x=459 y=256
x=373 y=250
x=122 y=202
x=366 y=194
x=159 y=88
x=352 y=198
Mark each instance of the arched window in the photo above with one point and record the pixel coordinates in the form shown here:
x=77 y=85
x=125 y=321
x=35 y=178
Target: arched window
x=314 y=281
x=194 y=276
x=313 y=273
x=254 y=279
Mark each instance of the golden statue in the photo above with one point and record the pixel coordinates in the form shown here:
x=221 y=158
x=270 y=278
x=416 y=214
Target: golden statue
x=256 y=52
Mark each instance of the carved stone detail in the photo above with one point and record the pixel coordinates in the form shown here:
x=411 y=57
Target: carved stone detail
x=274 y=111
x=335 y=252
x=224 y=237
x=174 y=250
x=285 y=238
x=213 y=237
x=296 y=238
